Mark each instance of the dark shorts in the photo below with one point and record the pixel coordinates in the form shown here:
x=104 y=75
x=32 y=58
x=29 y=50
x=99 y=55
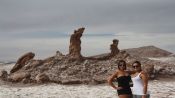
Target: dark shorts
x=124 y=91
x=140 y=96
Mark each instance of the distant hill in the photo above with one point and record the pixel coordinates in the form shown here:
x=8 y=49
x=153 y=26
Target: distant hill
x=148 y=51
x=145 y=51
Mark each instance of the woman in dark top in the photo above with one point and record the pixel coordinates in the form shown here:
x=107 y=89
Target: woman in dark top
x=123 y=78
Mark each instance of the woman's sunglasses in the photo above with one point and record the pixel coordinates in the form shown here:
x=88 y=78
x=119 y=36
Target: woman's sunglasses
x=122 y=65
x=135 y=66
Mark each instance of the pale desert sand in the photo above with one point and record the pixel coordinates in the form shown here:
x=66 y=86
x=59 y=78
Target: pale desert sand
x=158 y=89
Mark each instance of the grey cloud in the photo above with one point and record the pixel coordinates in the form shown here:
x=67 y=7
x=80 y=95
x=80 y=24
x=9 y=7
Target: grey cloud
x=42 y=19
x=55 y=15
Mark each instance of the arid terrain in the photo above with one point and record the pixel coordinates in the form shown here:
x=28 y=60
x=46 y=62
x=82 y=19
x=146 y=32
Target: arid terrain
x=73 y=75
x=158 y=88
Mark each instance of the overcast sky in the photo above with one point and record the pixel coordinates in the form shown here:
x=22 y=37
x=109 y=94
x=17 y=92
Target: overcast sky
x=20 y=19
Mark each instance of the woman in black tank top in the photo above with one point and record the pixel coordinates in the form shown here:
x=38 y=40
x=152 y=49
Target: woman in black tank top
x=124 y=82
x=123 y=79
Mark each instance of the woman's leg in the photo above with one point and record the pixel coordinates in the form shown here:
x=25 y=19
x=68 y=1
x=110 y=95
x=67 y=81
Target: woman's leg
x=137 y=96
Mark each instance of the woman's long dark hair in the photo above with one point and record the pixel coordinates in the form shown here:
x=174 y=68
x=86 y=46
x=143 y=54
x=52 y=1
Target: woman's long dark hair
x=137 y=62
x=121 y=62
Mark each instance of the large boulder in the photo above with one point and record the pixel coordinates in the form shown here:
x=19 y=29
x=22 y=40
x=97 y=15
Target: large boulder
x=22 y=61
x=17 y=77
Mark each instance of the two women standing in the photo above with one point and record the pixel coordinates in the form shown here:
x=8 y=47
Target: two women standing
x=124 y=78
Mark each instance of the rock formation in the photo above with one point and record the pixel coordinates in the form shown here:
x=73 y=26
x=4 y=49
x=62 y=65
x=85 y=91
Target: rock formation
x=91 y=70
x=19 y=76
x=41 y=78
x=3 y=75
x=75 y=44
x=22 y=61
x=114 y=47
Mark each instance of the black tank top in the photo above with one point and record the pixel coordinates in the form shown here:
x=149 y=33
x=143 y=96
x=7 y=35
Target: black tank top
x=124 y=81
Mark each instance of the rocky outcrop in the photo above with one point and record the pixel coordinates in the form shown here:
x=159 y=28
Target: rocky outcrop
x=22 y=61
x=150 y=70
x=42 y=78
x=114 y=47
x=60 y=69
x=17 y=77
x=3 y=74
x=75 y=44
x=164 y=69
x=76 y=69
x=33 y=64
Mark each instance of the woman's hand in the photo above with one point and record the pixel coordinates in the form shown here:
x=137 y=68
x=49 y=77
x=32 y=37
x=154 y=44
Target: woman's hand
x=144 y=96
x=119 y=88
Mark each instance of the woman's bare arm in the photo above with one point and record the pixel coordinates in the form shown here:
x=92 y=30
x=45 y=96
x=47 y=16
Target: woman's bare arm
x=130 y=72
x=144 y=77
x=111 y=78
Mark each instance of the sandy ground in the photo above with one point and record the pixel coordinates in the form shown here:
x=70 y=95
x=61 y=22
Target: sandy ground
x=157 y=88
